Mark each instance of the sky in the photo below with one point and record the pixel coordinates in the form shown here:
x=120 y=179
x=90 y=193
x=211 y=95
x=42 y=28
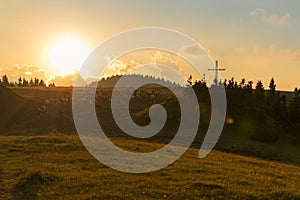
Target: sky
x=252 y=39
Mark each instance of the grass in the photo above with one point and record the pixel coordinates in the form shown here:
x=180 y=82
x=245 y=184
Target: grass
x=57 y=166
x=42 y=93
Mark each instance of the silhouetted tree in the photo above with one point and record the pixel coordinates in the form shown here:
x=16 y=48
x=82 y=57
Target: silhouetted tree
x=242 y=83
x=25 y=83
x=225 y=83
x=272 y=86
x=36 y=81
x=190 y=80
x=273 y=100
x=31 y=83
x=249 y=86
x=51 y=85
x=230 y=84
x=41 y=83
x=20 y=82
x=259 y=89
x=235 y=85
x=5 y=81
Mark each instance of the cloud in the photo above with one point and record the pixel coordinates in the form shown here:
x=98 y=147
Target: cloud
x=271 y=18
x=167 y=59
x=67 y=80
x=139 y=65
x=28 y=73
x=193 y=49
x=120 y=67
x=25 y=71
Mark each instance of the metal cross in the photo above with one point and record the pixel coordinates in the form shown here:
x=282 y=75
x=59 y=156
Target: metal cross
x=217 y=69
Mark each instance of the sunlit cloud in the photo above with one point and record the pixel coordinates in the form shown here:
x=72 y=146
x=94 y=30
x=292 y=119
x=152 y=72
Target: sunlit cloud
x=25 y=71
x=34 y=71
x=193 y=49
x=67 y=80
x=120 y=67
x=28 y=73
x=149 y=66
x=271 y=18
x=167 y=60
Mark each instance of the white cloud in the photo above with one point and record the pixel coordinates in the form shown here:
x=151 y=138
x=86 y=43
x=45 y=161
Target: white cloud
x=193 y=49
x=28 y=73
x=271 y=18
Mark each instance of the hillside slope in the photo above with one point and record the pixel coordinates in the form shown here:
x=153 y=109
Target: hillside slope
x=59 y=167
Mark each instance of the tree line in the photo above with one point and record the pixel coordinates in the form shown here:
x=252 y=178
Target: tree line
x=22 y=82
x=263 y=114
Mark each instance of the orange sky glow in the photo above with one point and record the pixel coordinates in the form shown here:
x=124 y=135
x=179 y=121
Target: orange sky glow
x=255 y=40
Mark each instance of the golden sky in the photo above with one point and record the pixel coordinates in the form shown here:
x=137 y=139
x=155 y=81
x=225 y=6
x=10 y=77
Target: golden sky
x=252 y=39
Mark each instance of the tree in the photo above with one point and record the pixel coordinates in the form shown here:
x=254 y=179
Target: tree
x=272 y=98
x=235 y=85
x=225 y=83
x=272 y=86
x=36 y=81
x=52 y=85
x=31 y=83
x=20 y=82
x=231 y=83
x=41 y=83
x=260 y=96
x=190 y=80
x=242 y=83
x=25 y=82
x=5 y=81
x=249 y=86
x=259 y=89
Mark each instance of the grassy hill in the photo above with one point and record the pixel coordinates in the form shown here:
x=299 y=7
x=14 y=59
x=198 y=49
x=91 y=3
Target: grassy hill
x=30 y=120
x=15 y=111
x=59 y=167
x=37 y=165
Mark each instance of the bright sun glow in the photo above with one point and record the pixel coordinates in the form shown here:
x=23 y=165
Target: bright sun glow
x=67 y=55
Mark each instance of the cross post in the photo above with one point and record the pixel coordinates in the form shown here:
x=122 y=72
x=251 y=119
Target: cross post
x=217 y=69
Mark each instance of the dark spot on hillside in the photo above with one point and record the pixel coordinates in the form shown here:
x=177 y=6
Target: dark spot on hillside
x=29 y=186
x=211 y=186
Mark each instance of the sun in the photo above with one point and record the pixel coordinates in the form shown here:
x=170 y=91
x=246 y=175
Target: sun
x=67 y=54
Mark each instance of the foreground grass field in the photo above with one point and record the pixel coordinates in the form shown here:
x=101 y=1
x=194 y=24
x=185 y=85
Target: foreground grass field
x=56 y=166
